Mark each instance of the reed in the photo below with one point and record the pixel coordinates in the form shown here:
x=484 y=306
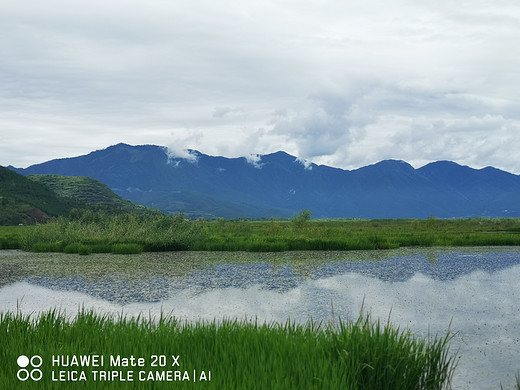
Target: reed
x=358 y=354
x=347 y=234
x=107 y=233
x=166 y=233
x=126 y=249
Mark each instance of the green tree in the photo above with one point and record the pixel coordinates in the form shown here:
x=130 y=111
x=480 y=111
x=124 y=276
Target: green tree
x=301 y=218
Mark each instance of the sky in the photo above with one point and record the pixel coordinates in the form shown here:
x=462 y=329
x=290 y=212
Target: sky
x=337 y=82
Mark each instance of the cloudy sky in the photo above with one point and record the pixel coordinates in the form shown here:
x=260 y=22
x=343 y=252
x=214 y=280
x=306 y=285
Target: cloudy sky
x=338 y=82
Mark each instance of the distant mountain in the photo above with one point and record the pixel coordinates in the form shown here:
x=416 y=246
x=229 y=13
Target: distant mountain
x=279 y=184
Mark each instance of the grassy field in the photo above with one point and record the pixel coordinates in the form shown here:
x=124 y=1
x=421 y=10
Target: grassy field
x=99 y=232
x=360 y=354
x=357 y=234
x=132 y=234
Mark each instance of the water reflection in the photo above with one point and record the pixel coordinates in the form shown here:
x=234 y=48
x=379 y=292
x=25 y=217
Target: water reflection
x=157 y=276
x=477 y=290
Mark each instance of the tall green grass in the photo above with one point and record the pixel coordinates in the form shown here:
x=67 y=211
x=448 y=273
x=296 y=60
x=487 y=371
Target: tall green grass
x=358 y=354
x=377 y=355
x=9 y=241
x=345 y=234
x=100 y=232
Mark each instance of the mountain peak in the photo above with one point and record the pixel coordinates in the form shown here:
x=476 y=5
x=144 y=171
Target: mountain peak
x=443 y=164
x=394 y=163
x=446 y=169
x=387 y=166
x=279 y=155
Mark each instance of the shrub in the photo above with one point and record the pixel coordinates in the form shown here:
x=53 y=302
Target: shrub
x=126 y=249
x=301 y=218
x=84 y=249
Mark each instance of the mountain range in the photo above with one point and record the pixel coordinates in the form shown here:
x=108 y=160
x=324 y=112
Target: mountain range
x=278 y=185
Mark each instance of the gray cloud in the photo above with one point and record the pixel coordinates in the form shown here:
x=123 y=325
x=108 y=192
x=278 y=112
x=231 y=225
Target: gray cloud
x=317 y=129
x=351 y=83
x=391 y=121
x=221 y=112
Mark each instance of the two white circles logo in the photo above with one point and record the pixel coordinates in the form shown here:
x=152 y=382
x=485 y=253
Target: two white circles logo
x=23 y=374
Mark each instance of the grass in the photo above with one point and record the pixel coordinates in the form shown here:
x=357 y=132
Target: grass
x=345 y=234
x=126 y=249
x=100 y=232
x=152 y=233
x=360 y=354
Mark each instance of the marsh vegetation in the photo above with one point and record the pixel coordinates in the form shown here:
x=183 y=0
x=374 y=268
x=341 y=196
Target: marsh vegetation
x=128 y=233
x=342 y=234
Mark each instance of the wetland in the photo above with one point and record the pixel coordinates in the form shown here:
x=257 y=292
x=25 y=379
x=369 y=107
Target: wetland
x=471 y=291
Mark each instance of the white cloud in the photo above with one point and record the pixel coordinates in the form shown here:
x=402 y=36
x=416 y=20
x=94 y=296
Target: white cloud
x=306 y=163
x=350 y=82
x=185 y=154
x=255 y=160
x=179 y=148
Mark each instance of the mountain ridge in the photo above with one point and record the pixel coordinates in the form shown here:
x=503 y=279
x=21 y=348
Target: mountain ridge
x=279 y=184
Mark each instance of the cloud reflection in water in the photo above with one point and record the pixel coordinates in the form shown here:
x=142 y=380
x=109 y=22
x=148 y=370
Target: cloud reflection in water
x=477 y=291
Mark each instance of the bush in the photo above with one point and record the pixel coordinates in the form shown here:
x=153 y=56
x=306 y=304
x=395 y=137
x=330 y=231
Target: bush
x=300 y=219
x=84 y=249
x=126 y=249
x=47 y=247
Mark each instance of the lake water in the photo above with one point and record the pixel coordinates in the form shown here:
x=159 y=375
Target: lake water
x=476 y=290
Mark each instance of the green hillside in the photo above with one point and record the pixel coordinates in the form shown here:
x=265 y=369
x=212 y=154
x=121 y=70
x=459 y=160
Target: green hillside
x=89 y=191
x=23 y=201
x=37 y=198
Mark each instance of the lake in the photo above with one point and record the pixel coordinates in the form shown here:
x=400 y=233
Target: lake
x=476 y=290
